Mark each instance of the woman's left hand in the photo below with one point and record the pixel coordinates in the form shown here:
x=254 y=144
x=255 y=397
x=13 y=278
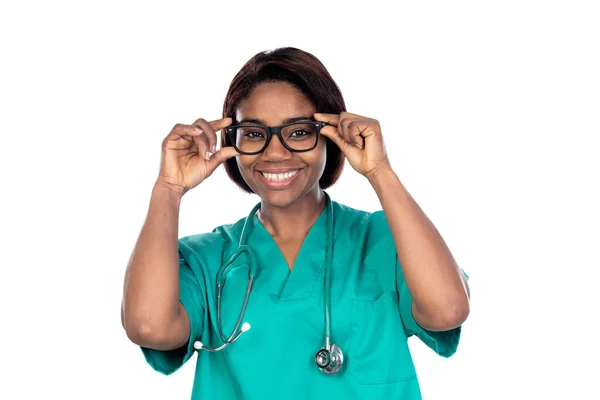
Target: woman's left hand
x=360 y=140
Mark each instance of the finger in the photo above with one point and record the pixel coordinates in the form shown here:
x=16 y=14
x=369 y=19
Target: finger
x=208 y=132
x=356 y=126
x=210 y=128
x=218 y=125
x=332 y=133
x=221 y=156
x=182 y=137
x=182 y=131
x=331 y=119
x=198 y=138
x=351 y=115
x=350 y=134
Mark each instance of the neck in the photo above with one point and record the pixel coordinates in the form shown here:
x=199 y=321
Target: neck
x=296 y=219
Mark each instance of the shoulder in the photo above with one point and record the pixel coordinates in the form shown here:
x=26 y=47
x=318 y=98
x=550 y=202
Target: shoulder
x=351 y=220
x=366 y=236
x=215 y=241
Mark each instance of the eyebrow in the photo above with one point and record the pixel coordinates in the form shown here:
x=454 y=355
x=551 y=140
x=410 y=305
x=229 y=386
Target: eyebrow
x=287 y=121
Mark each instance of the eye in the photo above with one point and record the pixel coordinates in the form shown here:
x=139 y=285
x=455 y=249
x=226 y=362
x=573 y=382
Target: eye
x=300 y=133
x=253 y=135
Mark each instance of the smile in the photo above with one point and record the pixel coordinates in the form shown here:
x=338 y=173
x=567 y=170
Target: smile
x=280 y=177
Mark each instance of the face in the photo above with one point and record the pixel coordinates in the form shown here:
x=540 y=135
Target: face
x=280 y=177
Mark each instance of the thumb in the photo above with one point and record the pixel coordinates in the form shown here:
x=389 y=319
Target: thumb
x=221 y=156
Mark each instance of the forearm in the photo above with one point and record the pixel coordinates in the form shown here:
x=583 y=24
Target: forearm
x=151 y=288
x=436 y=283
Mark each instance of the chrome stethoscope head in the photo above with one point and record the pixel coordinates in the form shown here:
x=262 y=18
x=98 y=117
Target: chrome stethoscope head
x=329 y=360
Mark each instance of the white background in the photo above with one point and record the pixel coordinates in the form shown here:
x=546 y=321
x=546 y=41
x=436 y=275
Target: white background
x=490 y=112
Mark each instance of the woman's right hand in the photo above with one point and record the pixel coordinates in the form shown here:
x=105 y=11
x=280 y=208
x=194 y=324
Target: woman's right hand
x=188 y=154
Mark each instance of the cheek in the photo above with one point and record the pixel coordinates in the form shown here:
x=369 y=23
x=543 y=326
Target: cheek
x=244 y=163
x=322 y=156
x=317 y=158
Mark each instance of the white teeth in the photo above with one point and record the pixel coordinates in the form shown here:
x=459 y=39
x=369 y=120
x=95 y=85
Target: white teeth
x=279 y=177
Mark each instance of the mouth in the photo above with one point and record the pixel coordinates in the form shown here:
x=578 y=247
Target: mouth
x=279 y=179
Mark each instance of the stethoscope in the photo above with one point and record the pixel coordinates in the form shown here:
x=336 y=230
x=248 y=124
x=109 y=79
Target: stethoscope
x=329 y=358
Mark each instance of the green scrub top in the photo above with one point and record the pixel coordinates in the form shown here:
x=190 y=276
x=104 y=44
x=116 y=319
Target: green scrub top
x=371 y=315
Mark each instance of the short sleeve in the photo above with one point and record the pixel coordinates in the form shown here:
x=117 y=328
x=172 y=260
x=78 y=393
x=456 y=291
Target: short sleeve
x=191 y=295
x=444 y=343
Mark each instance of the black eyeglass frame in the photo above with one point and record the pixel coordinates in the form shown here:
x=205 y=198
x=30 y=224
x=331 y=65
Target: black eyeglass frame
x=272 y=130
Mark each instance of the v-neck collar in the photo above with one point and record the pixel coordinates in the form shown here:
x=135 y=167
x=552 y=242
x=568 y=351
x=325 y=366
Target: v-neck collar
x=302 y=279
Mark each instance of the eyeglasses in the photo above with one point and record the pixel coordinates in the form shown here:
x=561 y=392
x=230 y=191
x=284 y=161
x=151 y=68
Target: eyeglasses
x=295 y=136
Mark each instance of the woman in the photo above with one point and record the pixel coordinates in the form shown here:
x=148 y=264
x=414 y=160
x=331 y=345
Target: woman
x=335 y=291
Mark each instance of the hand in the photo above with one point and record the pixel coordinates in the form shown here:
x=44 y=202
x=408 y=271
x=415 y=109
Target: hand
x=189 y=154
x=360 y=140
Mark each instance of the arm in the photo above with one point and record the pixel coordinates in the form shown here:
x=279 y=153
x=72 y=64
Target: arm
x=151 y=312
x=438 y=287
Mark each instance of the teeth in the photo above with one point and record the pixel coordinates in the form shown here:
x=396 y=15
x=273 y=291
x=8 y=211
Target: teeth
x=279 y=177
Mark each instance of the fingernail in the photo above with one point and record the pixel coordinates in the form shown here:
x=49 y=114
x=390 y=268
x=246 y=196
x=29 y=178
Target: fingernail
x=213 y=148
x=207 y=156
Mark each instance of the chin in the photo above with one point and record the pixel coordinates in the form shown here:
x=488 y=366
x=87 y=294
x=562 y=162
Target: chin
x=277 y=200
x=280 y=198
x=281 y=195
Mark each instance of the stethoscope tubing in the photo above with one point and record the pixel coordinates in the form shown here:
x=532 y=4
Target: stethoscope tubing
x=243 y=247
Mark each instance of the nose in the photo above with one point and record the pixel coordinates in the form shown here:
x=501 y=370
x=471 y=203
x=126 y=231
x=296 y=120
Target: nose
x=275 y=151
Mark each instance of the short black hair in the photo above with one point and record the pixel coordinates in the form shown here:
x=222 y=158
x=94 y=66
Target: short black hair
x=305 y=72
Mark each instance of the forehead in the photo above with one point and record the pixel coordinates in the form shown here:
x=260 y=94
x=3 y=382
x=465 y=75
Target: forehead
x=274 y=102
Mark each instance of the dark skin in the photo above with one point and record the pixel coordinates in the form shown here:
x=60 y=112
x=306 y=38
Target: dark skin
x=151 y=312
x=288 y=212
x=439 y=289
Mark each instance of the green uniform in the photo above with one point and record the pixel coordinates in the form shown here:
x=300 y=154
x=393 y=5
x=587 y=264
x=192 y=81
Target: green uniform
x=371 y=315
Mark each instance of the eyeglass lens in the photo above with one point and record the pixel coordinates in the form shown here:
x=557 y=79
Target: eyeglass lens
x=298 y=136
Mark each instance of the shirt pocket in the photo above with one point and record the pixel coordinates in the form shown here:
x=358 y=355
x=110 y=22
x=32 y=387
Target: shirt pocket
x=379 y=352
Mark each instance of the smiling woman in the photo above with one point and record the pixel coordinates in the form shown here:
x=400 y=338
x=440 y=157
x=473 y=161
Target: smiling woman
x=314 y=90
x=279 y=176
x=298 y=259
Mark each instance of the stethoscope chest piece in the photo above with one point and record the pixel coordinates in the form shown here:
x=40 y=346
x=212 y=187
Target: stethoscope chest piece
x=329 y=360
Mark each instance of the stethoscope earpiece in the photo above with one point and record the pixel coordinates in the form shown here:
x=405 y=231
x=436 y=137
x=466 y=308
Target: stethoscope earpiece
x=329 y=360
